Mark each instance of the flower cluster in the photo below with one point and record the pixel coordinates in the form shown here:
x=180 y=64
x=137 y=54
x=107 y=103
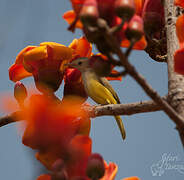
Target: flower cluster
x=58 y=129
x=109 y=11
x=60 y=136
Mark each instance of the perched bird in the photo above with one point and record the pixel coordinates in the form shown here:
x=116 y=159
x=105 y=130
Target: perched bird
x=98 y=88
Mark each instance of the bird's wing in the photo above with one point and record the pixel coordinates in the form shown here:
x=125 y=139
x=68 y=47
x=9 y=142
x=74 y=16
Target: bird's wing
x=99 y=93
x=106 y=83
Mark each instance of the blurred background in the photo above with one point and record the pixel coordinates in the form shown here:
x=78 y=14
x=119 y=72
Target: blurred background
x=149 y=136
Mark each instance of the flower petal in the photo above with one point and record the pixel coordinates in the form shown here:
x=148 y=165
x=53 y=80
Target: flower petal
x=77 y=5
x=140 y=45
x=81 y=47
x=179 y=61
x=70 y=17
x=110 y=171
x=59 y=51
x=180 y=29
x=131 y=178
x=44 y=177
x=20 y=56
x=47 y=158
x=114 y=78
x=138 y=6
x=73 y=84
x=17 y=72
x=179 y=3
x=35 y=54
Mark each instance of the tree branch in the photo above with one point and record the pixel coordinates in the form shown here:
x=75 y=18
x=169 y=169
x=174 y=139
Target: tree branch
x=14 y=117
x=113 y=44
x=106 y=110
x=175 y=81
x=126 y=109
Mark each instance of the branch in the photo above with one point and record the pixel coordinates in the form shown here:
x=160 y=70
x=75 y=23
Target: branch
x=14 y=117
x=126 y=109
x=113 y=44
x=175 y=81
x=106 y=110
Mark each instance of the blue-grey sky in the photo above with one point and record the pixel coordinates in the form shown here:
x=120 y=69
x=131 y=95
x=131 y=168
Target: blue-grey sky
x=149 y=136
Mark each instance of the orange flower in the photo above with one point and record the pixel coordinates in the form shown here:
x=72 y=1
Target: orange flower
x=72 y=19
x=180 y=30
x=131 y=178
x=73 y=83
x=49 y=123
x=74 y=156
x=44 y=177
x=139 y=45
x=179 y=61
x=138 y=6
x=106 y=10
x=179 y=3
x=81 y=48
x=44 y=62
x=110 y=171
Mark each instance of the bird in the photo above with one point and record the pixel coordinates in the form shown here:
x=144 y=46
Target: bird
x=97 y=88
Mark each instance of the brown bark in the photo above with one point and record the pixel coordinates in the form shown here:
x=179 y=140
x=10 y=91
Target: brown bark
x=175 y=81
x=94 y=111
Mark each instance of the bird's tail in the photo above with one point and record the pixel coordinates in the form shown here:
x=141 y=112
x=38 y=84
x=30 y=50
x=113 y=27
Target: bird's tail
x=121 y=126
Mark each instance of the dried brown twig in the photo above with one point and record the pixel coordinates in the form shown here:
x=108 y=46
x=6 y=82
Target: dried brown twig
x=94 y=111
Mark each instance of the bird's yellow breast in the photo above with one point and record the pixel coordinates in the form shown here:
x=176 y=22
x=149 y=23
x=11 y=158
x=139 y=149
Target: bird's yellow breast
x=99 y=93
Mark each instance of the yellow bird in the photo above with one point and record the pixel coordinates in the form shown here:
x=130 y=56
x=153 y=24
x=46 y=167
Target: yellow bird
x=98 y=88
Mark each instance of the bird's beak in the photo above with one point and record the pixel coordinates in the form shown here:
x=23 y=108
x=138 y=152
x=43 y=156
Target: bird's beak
x=69 y=65
x=66 y=65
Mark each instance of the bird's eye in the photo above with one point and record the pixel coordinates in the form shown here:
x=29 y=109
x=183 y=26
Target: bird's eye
x=79 y=63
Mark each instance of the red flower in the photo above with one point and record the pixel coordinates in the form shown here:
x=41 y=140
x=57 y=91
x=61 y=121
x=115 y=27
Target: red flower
x=153 y=16
x=139 y=6
x=180 y=30
x=179 y=3
x=179 y=61
x=44 y=177
x=131 y=178
x=73 y=83
x=110 y=173
x=106 y=11
x=49 y=123
x=44 y=62
x=179 y=54
x=139 y=45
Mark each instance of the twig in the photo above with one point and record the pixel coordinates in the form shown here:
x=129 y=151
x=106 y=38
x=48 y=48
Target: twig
x=14 y=117
x=117 y=28
x=129 y=49
x=140 y=79
x=126 y=109
x=94 y=111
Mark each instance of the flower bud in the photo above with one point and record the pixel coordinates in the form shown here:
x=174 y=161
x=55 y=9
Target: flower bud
x=89 y=13
x=95 y=167
x=125 y=9
x=135 y=29
x=20 y=92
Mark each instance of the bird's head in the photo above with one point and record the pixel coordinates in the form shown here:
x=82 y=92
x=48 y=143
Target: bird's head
x=81 y=64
